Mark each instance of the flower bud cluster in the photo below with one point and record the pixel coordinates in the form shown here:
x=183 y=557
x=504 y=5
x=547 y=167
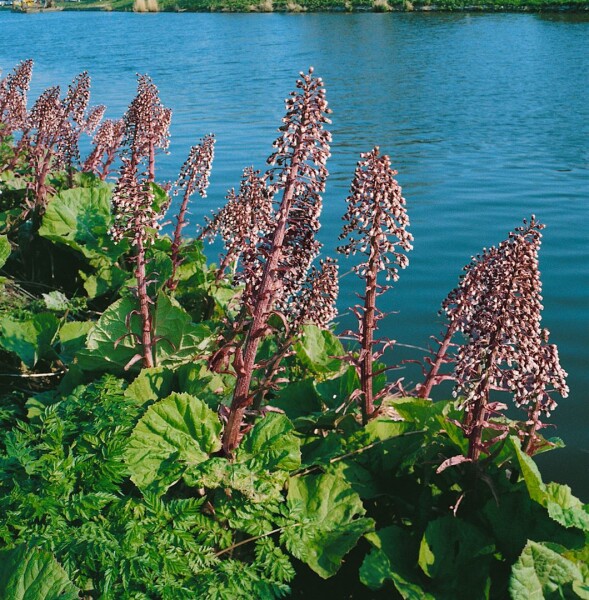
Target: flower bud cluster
x=13 y=98
x=57 y=124
x=107 y=140
x=242 y=222
x=147 y=124
x=147 y=121
x=376 y=218
x=132 y=205
x=298 y=170
x=497 y=306
x=196 y=170
x=316 y=302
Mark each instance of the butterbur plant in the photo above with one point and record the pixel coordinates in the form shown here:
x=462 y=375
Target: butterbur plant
x=376 y=224
x=147 y=127
x=497 y=308
x=243 y=447
x=297 y=176
x=136 y=215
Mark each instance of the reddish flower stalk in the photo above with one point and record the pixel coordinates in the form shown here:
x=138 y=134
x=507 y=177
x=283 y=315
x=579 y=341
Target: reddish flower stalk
x=300 y=157
x=194 y=176
x=376 y=223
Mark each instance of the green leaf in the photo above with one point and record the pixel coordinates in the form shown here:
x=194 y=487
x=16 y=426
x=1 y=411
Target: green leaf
x=151 y=384
x=420 y=411
x=543 y=573
x=4 y=250
x=33 y=574
x=261 y=465
x=456 y=556
x=31 y=339
x=180 y=340
x=272 y=443
x=174 y=433
x=329 y=513
x=197 y=379
x=80 y=218
x=100 y=345
x=194 y=263
x=107 y=276
x=318 y=350
x=393 y=558
x=565 y=508
x=72 y=336
x=56 y=301
x=334 y=392
x=361 y=479
x=517 y=519
x=558 y=500
x=298 y=399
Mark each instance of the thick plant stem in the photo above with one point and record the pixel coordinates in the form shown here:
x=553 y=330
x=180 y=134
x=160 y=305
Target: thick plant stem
x=151 y=171
x=246 y=355
x=476 y=421
x=144 y=308
x=172 y=282
x=368 y=327
x=430 y=380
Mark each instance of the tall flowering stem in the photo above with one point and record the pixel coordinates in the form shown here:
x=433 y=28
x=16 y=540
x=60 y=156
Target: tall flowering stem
x=194 y=177
x=135 y=216
x=298 y=174
x=376 y=224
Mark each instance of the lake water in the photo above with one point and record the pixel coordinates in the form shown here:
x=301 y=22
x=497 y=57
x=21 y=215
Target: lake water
x=485 y=116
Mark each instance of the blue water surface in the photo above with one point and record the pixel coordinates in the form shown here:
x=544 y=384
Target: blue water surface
x=485 y=116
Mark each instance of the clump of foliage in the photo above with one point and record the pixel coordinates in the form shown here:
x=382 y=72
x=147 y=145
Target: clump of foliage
x=169 y=429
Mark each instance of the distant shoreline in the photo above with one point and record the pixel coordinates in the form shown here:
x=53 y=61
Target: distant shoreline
x=325 y=6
